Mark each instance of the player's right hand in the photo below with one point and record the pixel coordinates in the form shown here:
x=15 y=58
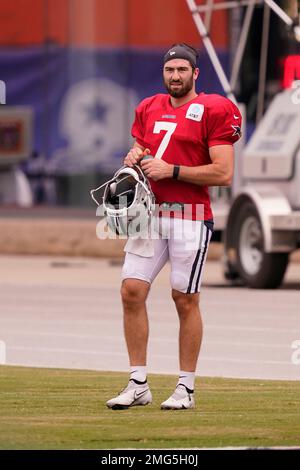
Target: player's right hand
x=135 y=155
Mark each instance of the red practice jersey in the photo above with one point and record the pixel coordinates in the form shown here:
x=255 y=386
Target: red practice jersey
x=182 y=136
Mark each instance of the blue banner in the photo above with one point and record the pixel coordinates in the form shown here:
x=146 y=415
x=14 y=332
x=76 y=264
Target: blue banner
x=84 y=99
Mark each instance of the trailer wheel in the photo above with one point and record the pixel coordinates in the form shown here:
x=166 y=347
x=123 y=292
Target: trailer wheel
x=256 y=268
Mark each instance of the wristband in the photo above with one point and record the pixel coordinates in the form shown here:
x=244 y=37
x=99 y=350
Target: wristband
x=176 y=172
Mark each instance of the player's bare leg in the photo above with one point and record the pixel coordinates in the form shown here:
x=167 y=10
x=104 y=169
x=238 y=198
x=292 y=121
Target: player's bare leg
x=190 y=332
x=134 y=293
x=190 y=337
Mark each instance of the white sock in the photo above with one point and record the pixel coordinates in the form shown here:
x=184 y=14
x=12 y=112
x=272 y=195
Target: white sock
x=138 y=373
x=187 y=379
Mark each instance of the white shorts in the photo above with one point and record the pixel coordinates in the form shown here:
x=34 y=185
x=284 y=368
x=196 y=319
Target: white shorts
x=185 y=244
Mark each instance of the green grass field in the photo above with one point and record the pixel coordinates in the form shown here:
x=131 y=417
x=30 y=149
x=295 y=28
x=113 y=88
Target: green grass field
x=65 y=409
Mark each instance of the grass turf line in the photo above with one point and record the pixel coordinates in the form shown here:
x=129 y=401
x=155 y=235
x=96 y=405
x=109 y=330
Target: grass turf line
x=65 y=409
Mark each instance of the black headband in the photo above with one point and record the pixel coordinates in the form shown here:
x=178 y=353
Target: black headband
x=181 y=52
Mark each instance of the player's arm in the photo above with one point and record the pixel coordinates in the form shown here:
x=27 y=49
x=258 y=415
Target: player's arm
x=218 y=173
x=135 y=154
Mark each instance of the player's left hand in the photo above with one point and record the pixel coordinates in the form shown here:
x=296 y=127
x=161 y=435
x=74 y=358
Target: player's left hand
x=156 y=169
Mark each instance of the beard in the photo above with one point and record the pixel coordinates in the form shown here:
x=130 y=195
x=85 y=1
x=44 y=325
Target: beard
x=181 y=91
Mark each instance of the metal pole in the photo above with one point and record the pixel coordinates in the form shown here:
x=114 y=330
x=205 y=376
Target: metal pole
x=294 y=8
x=208 y=14
x=210 y=50
x=263 y=64
x=227 y=5
x=242 y=44
x=282 y=14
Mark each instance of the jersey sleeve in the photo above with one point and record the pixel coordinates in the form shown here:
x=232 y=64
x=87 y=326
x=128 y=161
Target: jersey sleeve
x=224 y=123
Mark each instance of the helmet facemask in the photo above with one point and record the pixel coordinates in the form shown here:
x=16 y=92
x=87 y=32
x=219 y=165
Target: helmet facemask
x=128 y=202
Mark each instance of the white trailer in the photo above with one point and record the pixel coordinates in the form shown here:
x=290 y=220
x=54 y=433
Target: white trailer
x=260 y=222
x=263 y=220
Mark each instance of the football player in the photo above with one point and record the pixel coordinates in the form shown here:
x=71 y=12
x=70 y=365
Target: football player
x=191 y=137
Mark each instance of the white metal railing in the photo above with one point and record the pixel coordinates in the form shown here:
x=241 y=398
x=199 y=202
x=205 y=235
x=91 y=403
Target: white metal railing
x=203 y=28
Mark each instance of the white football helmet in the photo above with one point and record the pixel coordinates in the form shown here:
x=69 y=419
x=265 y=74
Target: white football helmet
x=128 y=201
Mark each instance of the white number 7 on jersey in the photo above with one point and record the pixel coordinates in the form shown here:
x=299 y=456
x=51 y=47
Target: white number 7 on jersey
x=164 y=126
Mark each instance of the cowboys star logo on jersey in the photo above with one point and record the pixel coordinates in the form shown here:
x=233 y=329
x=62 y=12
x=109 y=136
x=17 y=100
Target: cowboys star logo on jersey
x=237 y=130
